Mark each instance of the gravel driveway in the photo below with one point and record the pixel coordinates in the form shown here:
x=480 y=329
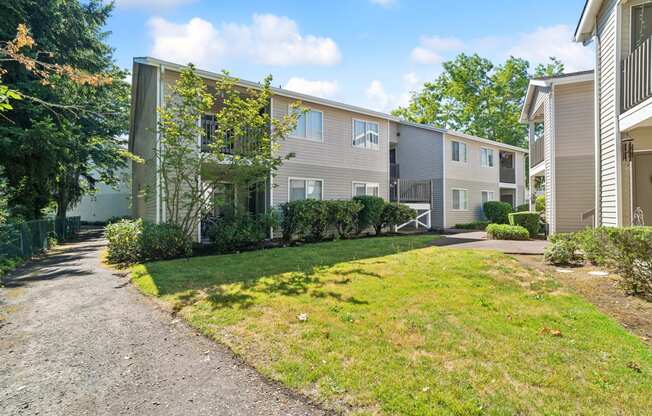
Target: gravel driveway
x=78 y=339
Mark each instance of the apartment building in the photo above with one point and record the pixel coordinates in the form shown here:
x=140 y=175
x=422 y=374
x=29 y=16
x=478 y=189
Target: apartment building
x=560 y=115
x=341 y=151
x=622 y=35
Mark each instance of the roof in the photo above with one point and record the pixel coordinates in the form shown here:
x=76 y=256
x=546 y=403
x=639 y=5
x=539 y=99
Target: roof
x=545 y=82
x=329 y=103
x=586 y=24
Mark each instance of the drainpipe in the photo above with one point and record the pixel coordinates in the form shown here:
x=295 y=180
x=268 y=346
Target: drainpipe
x=598 y=131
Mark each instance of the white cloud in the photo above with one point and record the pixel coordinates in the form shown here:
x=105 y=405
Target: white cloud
x=378 y=97
x=544 y=42
x=324 y=89
x=268 y=40
x=152 y=3
x=383 y=3
x=430 y=49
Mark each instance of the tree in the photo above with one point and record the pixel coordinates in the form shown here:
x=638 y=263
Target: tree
x=62 y=136
x=189 y=175
x=552 y=69
x=476 y=97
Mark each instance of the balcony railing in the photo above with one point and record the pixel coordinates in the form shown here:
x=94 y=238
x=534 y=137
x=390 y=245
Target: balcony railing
x=637 y=76
x=537 y=154
x=507 y=175
x=394 y=171
x=242 y=146
x=410 y=191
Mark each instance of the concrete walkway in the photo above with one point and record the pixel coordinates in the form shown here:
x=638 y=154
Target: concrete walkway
x=478 y=240
x=77 y=339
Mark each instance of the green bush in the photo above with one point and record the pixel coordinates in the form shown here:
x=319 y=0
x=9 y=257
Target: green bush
x=594 y=244
x=394 y=214
x=124 y=241
x=497 y=212
x=344 y=216
x=523 y=208
x=315 y=220
x=527 y=220
x=475 y=225
x=562 y=250
x=371 y=212
x=235 y=232
x=291 y=219
x=507 y=232
x=540 y=203
x=630 y=252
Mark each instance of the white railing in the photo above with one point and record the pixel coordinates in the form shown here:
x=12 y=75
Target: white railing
x=421 y=220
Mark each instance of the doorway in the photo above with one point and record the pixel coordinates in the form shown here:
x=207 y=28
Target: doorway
x=643 y=186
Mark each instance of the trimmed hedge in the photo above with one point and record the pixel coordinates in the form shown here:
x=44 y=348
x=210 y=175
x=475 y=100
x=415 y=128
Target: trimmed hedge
x=134 y=241
x=497 y=212
x=475 y=225
x=235 y=232
x=507 y=232
x=371 y=212
x=523 y=208
x=630 y=253
x=344 y=216
x=394 y=214
x=562 y=250
x=527 y=220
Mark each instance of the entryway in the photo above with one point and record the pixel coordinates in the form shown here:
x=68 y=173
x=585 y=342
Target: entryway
x=643 y=188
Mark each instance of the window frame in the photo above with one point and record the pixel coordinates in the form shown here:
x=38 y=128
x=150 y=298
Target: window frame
x=366 y=186
x=493 y=157
x=487 y=192
x=366 y=130
x=305 y=189
x=632 y=46
x=466 y=192
x=466 y=151
x=311 y=139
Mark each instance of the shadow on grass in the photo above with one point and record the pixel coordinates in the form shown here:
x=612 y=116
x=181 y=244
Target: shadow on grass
x=234 y=280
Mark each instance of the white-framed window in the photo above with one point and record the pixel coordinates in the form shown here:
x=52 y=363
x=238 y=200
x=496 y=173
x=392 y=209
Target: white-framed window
x=365 y=188
x=366 y=134
x=488 y=196
x=310 y=125
x=460 y=199
x=641 y=16
x=304 y=188
x=487 y=158
x=459 y=151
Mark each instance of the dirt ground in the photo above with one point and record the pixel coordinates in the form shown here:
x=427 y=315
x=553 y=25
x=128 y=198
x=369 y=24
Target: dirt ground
x=633 y=313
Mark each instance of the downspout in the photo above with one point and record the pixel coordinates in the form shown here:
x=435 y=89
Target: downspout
x=598 y=130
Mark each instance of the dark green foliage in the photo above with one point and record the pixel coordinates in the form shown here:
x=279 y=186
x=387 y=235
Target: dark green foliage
x=475 y=225
x=630 y=253
x=395 y=214
x=344 y=216
x=507 y=232
x=528 y=220
x=315 y=219
x=371 y=213
x=562 y=250
x=236 y=232
x=523 y=208
x=290 y=219
x=134 y=241
x=497 y=212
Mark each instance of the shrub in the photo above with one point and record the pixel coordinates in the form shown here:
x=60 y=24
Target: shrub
x=292 y=218
x=523 y=208
x=540 y=203
x=527 y=220
x=235 y=232
x=594 y=244
x=124 y=242
x=315 y=220
x=475 y=225
x=631 y=255
x=344 y=216
x=562 y=250
x=371 y=212
x=394 y=214
x=164 y=241
x=497 y=212
x=507 y=232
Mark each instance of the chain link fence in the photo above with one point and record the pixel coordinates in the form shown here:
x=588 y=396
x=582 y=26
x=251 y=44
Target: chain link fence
x=31 y=237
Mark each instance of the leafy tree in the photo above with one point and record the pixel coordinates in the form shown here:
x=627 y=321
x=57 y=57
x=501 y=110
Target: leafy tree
x=476 y=97
x=552 y=69
x=191 y=176
x=62 y=136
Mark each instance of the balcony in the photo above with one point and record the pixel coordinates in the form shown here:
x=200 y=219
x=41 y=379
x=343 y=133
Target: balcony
x=507 y=170
x=637 y=76
x=537 y=154
x=410 y=191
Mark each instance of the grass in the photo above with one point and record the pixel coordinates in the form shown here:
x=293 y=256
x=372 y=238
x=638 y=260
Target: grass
x=396 y=327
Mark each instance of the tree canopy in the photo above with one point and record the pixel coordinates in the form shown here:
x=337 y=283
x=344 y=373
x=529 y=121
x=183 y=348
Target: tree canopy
x=476 y=97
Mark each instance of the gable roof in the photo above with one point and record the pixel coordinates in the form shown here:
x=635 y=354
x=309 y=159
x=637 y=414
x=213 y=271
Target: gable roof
x=586 y=24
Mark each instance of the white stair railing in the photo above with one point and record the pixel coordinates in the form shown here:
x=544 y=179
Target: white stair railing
x=423 y=220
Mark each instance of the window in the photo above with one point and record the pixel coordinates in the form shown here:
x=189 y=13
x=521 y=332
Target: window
x=507 y=160
x=310 y=125
x=488 y=196
x=460 y=199
x=641 y=24
x=208 y=125
x=366 y=134
x=486 y=158
x=460 y=152
x=361 y=189
x=301 y=189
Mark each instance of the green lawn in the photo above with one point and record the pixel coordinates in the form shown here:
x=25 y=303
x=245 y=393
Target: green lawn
x=397 y=327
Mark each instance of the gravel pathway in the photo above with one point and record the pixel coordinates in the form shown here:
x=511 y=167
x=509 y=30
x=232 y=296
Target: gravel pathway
x=77 y=339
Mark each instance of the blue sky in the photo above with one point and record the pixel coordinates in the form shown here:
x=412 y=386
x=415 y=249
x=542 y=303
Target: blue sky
x=365 y=52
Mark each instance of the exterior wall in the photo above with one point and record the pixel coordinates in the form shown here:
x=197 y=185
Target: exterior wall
x=334 y=160
x=574 y=155
x=107 y=202
x=474 y=188
x=144 y=142
x=548 y=163
x=608 y=64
